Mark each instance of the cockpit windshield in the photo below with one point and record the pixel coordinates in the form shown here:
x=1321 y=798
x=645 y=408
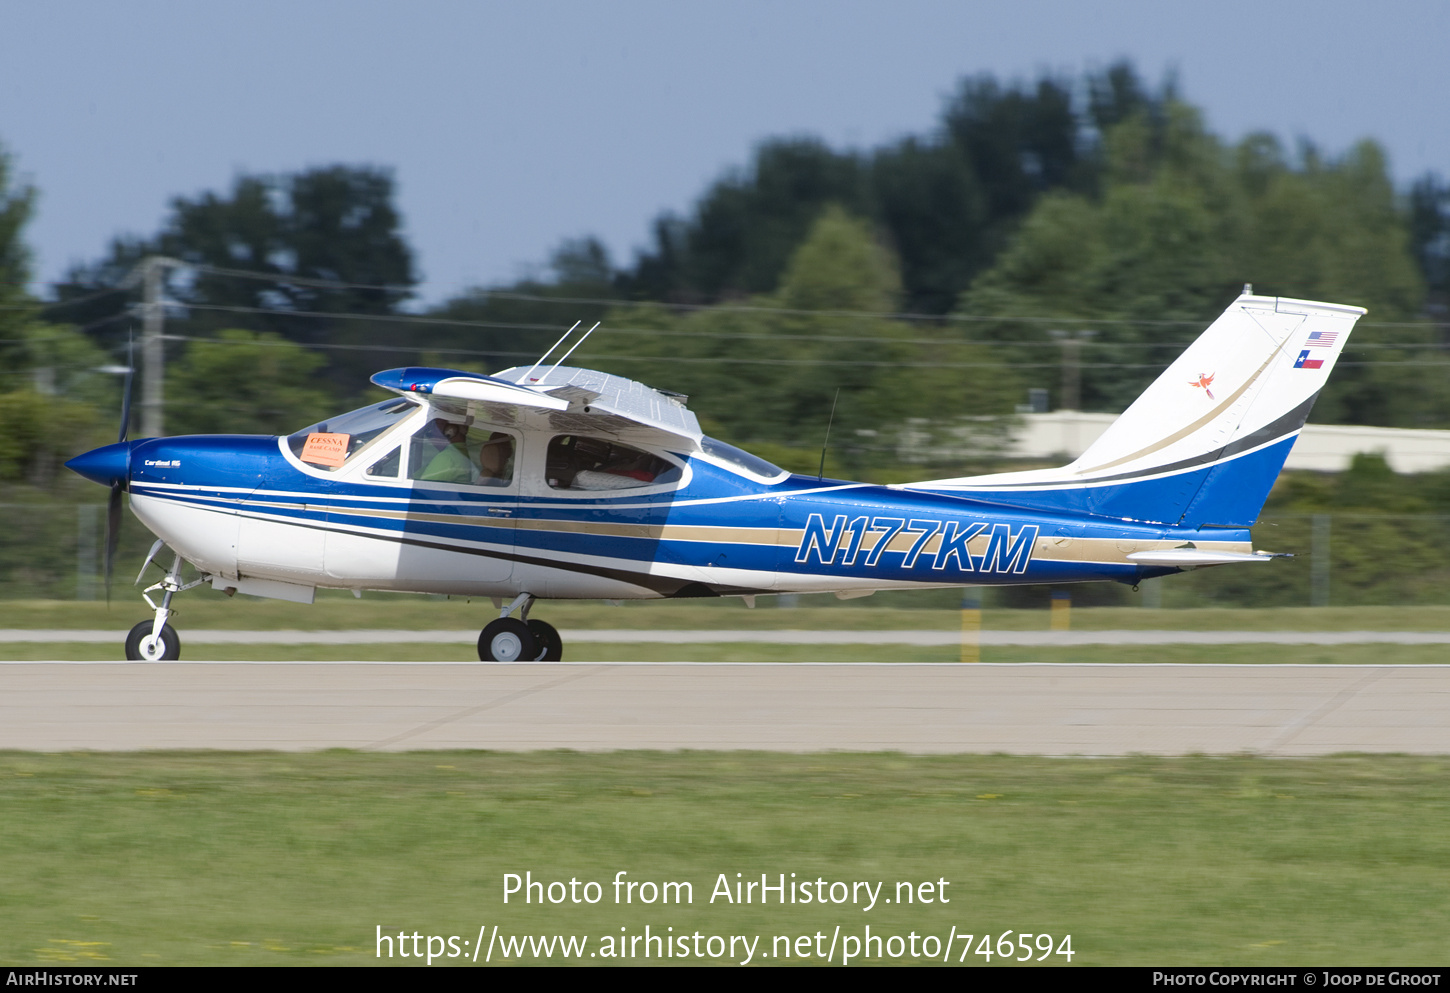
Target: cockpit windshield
x=329 y=444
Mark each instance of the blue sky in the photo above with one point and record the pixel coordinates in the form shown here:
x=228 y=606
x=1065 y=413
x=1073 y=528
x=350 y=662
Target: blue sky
x=511 y=127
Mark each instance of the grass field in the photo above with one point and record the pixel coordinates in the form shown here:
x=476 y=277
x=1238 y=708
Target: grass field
x=206 y=609
x=232 y=859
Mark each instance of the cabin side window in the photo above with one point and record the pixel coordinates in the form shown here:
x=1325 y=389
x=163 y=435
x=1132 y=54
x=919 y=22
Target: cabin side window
x=445 y=451
x=387 y=466
x=581 y=463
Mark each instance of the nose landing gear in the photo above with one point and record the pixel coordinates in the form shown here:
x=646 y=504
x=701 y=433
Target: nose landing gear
x=156 y=640
x=519 y=639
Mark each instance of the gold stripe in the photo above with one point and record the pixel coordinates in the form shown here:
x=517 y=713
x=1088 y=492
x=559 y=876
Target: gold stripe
x=392 y=515
x=1057 y=548
x=1115 y=551
x=591 y=527
x=1180 y=435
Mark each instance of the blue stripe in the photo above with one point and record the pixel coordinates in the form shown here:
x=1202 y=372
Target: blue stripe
x=841 y=515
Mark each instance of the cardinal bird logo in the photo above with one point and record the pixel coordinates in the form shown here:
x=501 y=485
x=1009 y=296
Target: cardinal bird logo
x=1204 y=382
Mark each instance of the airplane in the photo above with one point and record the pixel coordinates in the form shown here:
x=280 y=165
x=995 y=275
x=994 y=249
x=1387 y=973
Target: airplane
x=558 y=482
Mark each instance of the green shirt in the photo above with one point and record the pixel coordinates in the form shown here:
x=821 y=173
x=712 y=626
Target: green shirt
x=452 y=465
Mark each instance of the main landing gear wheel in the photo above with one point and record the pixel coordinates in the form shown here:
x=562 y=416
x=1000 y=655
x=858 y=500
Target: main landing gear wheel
x=507 y=640
x=141 y=647
x=551 y=646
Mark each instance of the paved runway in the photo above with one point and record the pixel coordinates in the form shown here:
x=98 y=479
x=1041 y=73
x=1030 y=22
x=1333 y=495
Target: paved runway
x=1025 y=709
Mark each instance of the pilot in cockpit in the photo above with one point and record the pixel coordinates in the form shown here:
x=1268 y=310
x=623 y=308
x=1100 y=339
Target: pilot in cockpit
x=451 y=464
x=452 y=461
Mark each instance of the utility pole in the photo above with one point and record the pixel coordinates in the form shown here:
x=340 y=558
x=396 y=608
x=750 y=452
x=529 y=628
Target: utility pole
x=1070 y=399
x=1071 y=341
x=151 y=272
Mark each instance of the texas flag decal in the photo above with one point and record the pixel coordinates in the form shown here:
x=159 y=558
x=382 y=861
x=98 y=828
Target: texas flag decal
x=1305 y=362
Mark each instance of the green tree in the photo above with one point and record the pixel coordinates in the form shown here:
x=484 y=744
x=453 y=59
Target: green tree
x=50 y=386
x=1179 y=223
x=334 y=224
x=767 y=373
x=516 y=323
x=945 y=202
x=1430 y=237
x=745 y=227
x=245 y=382
x=17 y=202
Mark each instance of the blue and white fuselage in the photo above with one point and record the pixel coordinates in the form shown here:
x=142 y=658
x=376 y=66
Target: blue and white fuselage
x=245 y=509
x=560 y=483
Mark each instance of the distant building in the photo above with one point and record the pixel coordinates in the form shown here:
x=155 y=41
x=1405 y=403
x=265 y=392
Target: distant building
x=1321 y=447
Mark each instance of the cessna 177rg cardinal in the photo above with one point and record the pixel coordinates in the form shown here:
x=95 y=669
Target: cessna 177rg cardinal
x=557 y=482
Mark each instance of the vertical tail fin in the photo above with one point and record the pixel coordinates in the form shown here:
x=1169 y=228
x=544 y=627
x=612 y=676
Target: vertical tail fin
x=1204 y=443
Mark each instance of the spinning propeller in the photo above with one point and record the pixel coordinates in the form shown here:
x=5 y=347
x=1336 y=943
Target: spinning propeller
x=118 y=485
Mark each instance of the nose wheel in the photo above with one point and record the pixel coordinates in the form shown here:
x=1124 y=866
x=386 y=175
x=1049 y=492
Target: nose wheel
x=144 y=646
x=519 y=639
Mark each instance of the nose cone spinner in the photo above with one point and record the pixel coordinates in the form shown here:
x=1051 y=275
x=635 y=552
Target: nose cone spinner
x=108 y=466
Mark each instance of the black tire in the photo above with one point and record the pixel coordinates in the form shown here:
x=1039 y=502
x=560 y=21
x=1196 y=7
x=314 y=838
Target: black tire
x=551 y=646
x=507 y=640
x=141 y=633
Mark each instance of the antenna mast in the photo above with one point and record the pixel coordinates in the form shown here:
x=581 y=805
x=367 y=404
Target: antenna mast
x=570 y=352
x=549 y=352
x=829 y=421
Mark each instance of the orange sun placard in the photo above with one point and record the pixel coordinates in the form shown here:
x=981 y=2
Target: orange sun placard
x=325 y=449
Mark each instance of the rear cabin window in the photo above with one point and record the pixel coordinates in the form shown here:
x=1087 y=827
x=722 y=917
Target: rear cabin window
x=741 y=459
x=581 y=463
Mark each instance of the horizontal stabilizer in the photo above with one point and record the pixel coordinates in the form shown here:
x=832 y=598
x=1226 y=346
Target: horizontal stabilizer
x=1184 y=558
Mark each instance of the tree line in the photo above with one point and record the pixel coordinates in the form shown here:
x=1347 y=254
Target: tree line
x=908 y=294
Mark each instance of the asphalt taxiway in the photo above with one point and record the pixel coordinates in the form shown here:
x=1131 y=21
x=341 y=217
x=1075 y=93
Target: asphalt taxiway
x=914 y=708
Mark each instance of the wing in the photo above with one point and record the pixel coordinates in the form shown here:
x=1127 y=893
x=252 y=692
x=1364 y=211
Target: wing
x=571 y=401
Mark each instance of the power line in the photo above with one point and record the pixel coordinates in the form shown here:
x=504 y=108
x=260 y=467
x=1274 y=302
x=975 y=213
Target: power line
x=699 y=359
x=710 y=359
x=74 y=301
x=666 y=333
x=721 y=335
x=275 y=277
x=279 y=277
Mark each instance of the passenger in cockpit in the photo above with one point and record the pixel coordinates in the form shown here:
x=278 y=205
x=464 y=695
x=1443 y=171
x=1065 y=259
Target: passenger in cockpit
x=496 y=460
